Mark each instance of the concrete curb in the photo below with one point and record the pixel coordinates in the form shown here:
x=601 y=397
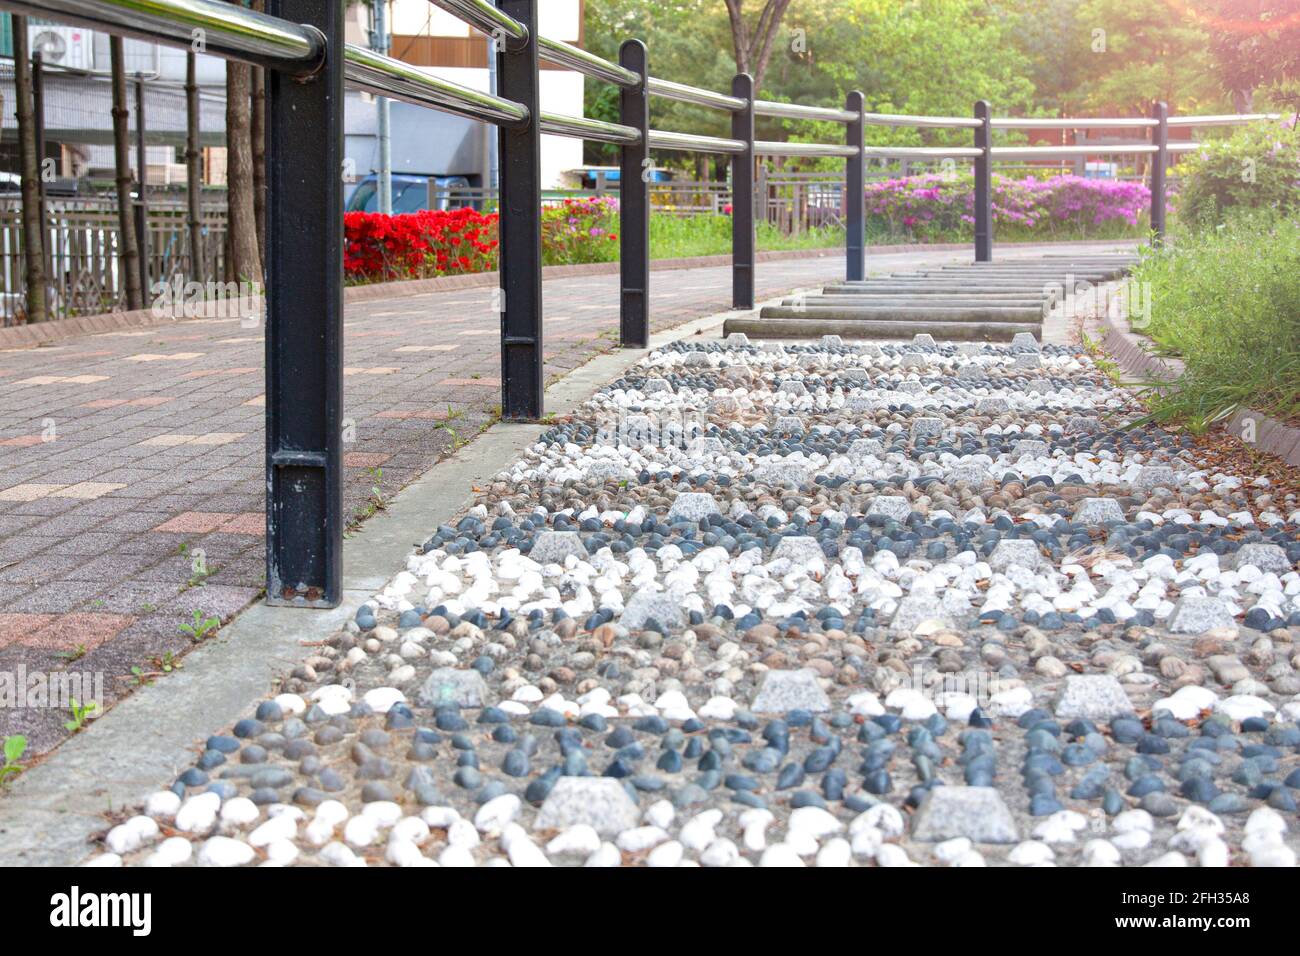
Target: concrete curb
x=53 y=810
x=1129 y=350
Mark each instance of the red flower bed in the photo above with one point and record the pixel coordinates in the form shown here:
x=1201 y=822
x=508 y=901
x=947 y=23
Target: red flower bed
x=418 y=245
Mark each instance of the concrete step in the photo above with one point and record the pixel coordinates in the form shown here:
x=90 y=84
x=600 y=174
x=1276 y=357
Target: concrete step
x=938 y=301
x=810 y=327
x=907 y=313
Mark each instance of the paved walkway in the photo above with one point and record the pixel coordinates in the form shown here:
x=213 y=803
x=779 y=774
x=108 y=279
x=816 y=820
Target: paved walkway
x=132 y=469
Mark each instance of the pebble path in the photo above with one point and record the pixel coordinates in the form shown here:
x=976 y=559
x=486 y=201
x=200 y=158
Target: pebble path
x=791 y=605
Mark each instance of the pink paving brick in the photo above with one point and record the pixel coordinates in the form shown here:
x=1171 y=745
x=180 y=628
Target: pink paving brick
x=29 y=492
x=249 y=522
x=195 y=522
x=87 y=629
x=14 y=627
x=22 y=441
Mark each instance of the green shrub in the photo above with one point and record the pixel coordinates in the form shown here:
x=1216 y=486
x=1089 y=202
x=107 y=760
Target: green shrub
x=1227 y=302
x=1258 y=167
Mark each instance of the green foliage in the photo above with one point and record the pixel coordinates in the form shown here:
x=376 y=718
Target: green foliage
x=1258 y=167
x=80 y=713
x=14 y=748
x=1225 y=301
x=199 y=626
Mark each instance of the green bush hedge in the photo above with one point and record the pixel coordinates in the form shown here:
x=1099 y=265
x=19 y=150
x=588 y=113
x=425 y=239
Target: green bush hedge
x=1258 y=167
x=1226 y=301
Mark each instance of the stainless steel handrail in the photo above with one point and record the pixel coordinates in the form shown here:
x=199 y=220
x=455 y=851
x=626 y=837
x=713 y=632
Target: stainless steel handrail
x=228 y=30
x=669 y=90
x=921 y=122
x=689 y=142
x=485 y=18
x=371 y=71
x=596 y=131
x=1231 y=119
x=925 y=152
x=576 y=58
x=1034 y=122
x=1048 y=152
x=800 y=112
x=767 y=148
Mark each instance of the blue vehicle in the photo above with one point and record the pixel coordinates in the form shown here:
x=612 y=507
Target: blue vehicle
x=410 y=192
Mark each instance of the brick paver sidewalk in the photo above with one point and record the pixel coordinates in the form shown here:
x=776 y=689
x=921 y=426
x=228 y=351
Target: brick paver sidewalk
x=132 y=470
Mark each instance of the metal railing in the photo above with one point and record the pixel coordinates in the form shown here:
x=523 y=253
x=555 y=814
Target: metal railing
x=300 y=43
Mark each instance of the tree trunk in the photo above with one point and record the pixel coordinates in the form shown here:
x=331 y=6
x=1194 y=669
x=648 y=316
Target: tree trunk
x=753 y=45
x=33 y=227
x=245 y=257
x=193 y=170
x=258 y=137
x=128 y=250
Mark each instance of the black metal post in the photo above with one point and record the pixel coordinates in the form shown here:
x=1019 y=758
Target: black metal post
x=1159 y=163
x=304 y=331
x=742 y=196
x=634 y=173
x=855 y=222
x=520 y=228
x=984 y=184
x=142 y=204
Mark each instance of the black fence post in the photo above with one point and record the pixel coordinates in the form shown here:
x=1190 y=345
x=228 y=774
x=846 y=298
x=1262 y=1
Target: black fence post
x=634 y=173
x=855 y=171
x=142 y=205
x=984 y=184
x=304 y=330
x=742 y=196
x=1159 y=164
x=521 y=227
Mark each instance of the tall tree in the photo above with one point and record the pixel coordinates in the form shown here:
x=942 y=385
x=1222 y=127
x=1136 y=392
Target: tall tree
x=30 y=163
x=128 y=249
x=753 y=42
x=245 y=256
x=193 y=169
x=1255 y=44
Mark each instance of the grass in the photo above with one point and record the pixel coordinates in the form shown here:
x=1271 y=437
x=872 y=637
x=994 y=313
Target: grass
x=1226 y=301
x=680 y=237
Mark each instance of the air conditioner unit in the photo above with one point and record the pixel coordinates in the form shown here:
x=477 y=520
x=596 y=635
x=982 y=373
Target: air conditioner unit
x=71 y=48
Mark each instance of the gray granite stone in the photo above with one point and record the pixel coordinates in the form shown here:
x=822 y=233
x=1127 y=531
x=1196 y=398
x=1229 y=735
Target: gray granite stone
x=1266 y=557
x=992 y=406
x=693 y=506
x=891 y=506
x=977 y=813
x=1034 y=447
x=914 y=609
x=450 y=685
x=927 y=429
x=602 y=803
x=801 y=549
x=1098 y=511
x=1025 y=340
x=1018 y=551
x=1196 y=614
x=1092 y=696
x=552 y=547
x=784 y=691
x=662 y=606
x=1155 y=476
x=781 y=473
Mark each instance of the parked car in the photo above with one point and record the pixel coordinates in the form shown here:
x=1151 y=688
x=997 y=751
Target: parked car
x=410 y=192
